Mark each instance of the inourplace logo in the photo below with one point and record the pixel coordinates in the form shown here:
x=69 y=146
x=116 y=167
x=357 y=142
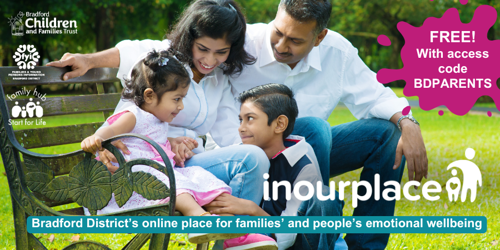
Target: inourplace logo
x=304 y=190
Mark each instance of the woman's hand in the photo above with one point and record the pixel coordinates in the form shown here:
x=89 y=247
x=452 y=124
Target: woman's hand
x=182 y=147
x=107 y=157
x=79 y=65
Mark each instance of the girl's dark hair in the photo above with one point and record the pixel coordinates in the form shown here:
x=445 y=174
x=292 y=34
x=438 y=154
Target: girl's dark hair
x=215 y=19
x=159 y=71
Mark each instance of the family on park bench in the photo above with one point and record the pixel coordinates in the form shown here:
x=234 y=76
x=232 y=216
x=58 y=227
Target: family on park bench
x=282 y=80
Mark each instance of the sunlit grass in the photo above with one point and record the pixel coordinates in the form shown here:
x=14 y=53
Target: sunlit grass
x=446 y=139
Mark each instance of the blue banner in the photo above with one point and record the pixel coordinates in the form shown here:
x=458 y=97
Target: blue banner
x=257 y=224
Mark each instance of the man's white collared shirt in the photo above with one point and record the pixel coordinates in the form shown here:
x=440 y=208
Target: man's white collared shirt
x=331 y=73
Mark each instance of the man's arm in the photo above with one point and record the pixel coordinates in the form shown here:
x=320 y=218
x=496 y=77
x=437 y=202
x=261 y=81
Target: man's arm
x=81 y=63
x=367 y=98
x=411 y=145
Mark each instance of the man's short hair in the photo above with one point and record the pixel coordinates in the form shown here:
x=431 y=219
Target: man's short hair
x=309 y=10
x=274 y=100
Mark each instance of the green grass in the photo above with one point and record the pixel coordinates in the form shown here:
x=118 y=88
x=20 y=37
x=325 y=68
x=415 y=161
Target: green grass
x=446 y=138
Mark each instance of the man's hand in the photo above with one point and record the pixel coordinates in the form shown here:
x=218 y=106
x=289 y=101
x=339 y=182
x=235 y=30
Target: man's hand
x=228 y=204
x=79 y=63
x=411 y=145
x=182 y=147
x=107 y=157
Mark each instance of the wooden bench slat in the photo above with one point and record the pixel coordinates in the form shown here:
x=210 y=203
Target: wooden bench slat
x=71 y=104
x=73 y=211
x=54 y=75
x=50 y=203
x=44 y=137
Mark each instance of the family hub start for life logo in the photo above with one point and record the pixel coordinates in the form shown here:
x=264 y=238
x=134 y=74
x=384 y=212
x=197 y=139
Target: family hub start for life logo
x=304 y=190
x=32 y=109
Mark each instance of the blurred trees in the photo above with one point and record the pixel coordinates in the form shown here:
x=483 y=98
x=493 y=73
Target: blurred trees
x=101 y=24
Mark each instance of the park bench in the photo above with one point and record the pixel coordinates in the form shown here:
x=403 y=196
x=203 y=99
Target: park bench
x=39 y=183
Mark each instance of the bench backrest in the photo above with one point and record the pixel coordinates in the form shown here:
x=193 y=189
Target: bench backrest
x=59 y=106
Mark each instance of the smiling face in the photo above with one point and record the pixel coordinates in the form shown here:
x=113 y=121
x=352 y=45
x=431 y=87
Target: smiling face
x=292 y=40
x=166 y=108
x=254 y=128
x=209 y=53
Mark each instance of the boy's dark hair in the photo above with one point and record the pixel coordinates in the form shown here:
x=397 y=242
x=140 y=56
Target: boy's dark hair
x=215 y=19
x=155 y=72
x=309 y=10
x=274 y=100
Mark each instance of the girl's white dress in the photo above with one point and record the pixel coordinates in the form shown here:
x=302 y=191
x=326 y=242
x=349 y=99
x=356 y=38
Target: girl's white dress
x=198 y=182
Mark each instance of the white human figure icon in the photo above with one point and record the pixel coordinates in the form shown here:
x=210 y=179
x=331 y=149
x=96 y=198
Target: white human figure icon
x=30 y=108
x=453 y=193
x=471 y=173
x=16 y=110
x=39 y=110
x=23 y=113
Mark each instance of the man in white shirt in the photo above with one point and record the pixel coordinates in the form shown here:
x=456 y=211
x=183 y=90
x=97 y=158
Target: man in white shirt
x=323 y=68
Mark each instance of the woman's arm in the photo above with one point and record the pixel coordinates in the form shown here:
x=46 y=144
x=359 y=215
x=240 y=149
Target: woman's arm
x=81 y=63
x=225 y=129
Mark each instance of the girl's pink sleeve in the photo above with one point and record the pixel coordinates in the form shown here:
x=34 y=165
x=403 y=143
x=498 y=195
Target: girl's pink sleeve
x=112 y=119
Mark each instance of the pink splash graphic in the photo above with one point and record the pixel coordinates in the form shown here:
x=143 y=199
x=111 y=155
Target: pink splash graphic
x=384 y=40
x=447 y=62
x=441 y=112
x=489 y=113
x=464 y=2
x=406 y=110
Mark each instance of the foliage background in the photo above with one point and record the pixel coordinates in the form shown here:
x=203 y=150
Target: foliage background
x=102 y=24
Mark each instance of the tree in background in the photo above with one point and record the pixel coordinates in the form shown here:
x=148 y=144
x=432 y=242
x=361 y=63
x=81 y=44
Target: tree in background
x=101 y=24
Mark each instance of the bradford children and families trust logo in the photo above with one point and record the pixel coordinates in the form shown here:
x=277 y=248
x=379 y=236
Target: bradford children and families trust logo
x=16 y=24
x=32 y=108
x=40 y=23
x=304 y=190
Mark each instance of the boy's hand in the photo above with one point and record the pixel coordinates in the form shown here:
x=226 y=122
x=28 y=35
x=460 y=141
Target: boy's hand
x=228 y=204
x=92 y=144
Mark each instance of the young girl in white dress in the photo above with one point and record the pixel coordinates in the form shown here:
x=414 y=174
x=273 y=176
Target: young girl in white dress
x=157 y=86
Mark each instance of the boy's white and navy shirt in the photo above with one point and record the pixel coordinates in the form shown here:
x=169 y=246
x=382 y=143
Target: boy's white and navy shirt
x=294 y=164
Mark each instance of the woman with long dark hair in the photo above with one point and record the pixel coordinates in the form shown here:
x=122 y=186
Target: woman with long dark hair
x=209 y=39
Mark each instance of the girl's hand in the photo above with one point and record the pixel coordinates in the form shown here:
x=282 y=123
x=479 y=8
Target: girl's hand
x=92 y=144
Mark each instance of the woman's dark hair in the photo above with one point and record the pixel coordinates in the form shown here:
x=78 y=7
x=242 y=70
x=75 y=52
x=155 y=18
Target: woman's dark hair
x=215 y=19
x=159 y=71
x=273 y=99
